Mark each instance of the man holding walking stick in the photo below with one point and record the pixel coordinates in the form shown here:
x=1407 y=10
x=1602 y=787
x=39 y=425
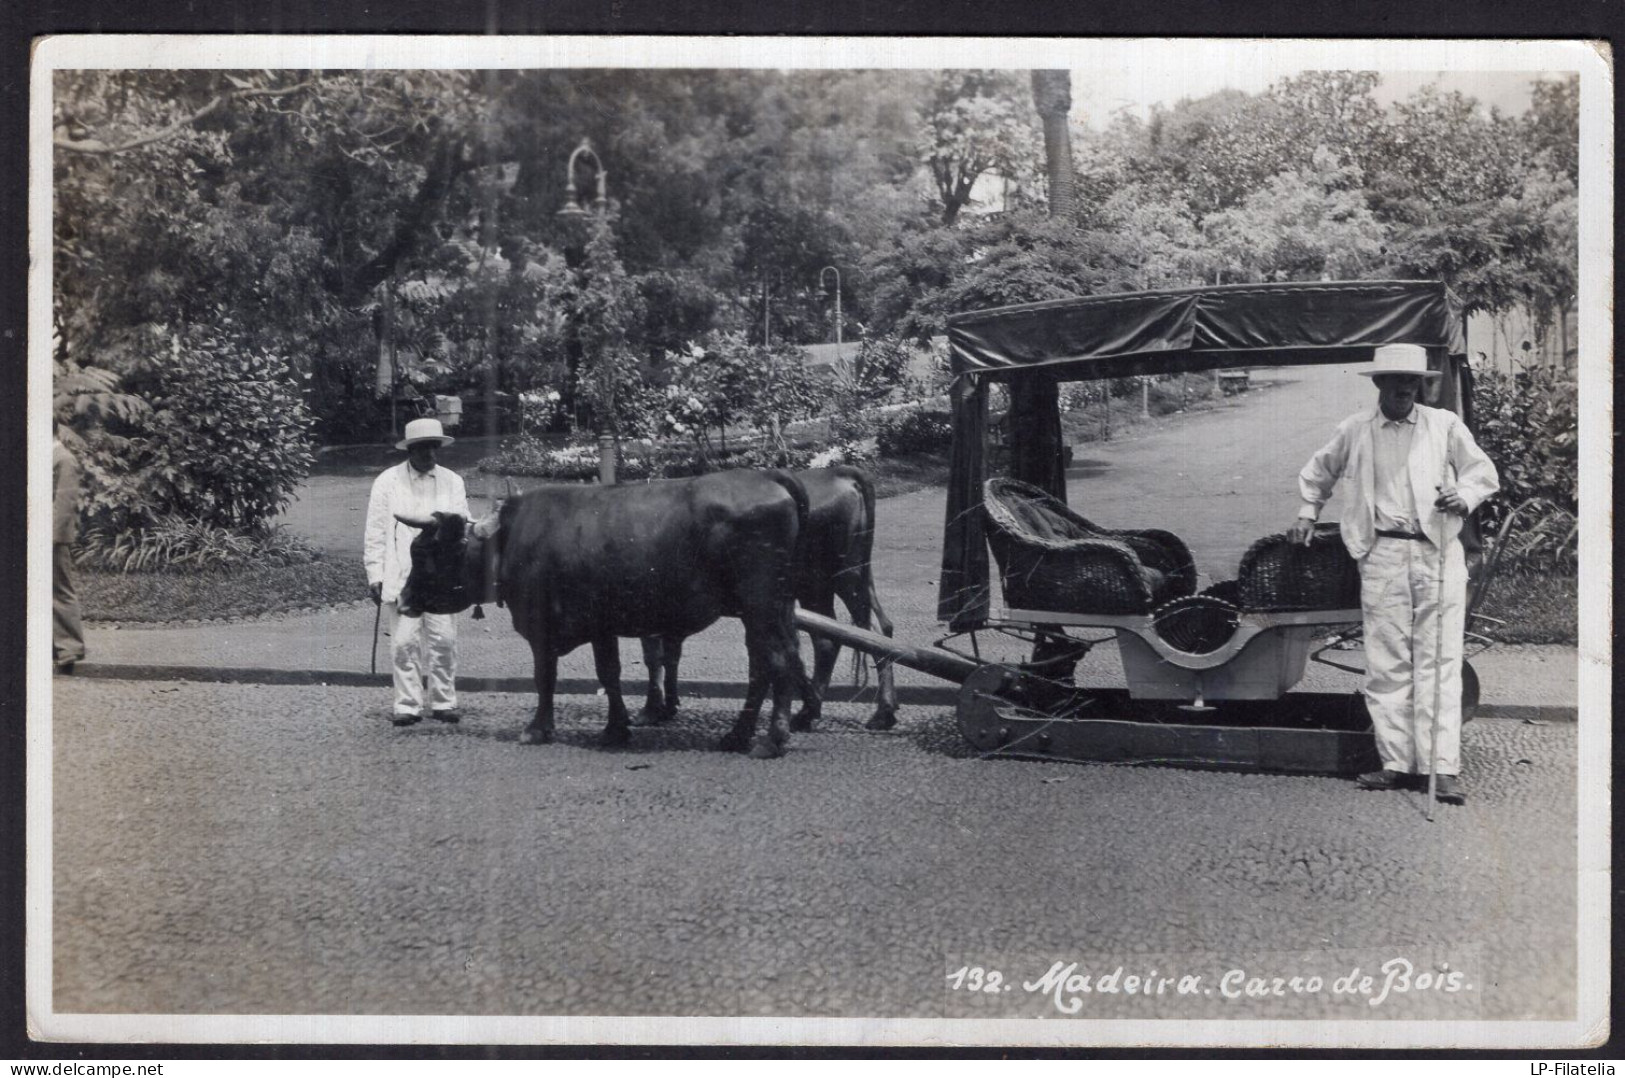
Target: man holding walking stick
x=1415 y=474
x=423 y=648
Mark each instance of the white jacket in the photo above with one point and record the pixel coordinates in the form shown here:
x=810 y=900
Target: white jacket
x=1443 y=454
x=388 y=542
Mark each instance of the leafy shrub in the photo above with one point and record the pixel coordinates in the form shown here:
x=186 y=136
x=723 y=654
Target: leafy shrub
x=541 y=410
x=854 y=453
x=882 y=364
x=728 y=381
x=1528 y=424
x=1179 y=392
x=637 y=460
x=765 y=455
x=849 y=422
x=224 y=440
x=917 y=431
x=190 y=543
x=576 y=462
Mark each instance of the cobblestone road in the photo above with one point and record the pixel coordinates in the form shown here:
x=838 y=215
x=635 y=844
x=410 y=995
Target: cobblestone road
x=247 y=849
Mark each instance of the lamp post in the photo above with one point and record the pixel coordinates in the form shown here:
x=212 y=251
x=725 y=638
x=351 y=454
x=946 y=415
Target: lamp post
x=832 y=269
x=573 y=211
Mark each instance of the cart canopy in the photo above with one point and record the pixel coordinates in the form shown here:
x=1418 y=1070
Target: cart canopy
x=1250 y=325
x=1169 y=331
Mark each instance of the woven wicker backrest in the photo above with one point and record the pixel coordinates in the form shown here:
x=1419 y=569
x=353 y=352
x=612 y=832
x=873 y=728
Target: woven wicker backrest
x=1277 y=574
x=1032 y=514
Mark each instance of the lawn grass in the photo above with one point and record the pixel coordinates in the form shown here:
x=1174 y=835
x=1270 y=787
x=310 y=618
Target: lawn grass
x=904 y=475
x=1538 y=608
x=165 y=597
x=137 y=598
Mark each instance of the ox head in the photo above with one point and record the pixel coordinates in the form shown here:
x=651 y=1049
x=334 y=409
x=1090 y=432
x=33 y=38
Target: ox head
x=453 y=563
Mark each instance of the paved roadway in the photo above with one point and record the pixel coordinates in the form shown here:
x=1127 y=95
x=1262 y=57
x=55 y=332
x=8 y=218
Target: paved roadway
x=255 y=849
x=233 y=849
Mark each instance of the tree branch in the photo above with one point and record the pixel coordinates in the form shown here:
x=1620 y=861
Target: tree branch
x=447 y=165
x=97 y=146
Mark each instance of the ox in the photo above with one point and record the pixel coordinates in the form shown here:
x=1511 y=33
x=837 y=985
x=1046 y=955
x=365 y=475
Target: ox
x=580 y=565
x=833 y=561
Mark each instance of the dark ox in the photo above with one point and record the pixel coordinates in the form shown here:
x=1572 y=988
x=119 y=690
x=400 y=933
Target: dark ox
x=834 y=560
x=588 y=565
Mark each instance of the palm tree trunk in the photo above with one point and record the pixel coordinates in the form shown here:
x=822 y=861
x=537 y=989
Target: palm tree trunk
x=1036 y=450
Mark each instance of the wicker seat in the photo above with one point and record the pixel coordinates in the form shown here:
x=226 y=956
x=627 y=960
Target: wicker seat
x=1279 y=575
x=1050 y=558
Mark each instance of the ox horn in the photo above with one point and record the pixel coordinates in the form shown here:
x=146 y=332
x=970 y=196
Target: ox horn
x=420 y=523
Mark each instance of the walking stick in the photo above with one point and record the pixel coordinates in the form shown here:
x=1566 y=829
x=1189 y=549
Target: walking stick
x=377 y=615
x=1438 y=687
x=1438 y=676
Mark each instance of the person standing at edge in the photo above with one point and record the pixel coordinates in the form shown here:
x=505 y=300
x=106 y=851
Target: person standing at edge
x=424 y=647
x=68 y=632
x=1415 y=474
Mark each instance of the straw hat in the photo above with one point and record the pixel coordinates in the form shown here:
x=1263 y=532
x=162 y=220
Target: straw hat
x=1399 y=359
x=424 y=430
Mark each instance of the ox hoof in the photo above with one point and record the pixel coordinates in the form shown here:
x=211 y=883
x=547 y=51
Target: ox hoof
x=802 y=721
x=533 y=736
x=650 y=716
x=734 y=741
x=765 y=748
x=882 y=720
x=615 y=737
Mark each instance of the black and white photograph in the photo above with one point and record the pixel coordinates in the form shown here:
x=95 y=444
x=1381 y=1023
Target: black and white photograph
x=1046 y=543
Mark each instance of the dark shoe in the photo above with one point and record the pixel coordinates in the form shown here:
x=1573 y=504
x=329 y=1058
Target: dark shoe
x=1383 y=780
x=65 y=668
x=406 y=720
x=1448 y=790
x=449 y=715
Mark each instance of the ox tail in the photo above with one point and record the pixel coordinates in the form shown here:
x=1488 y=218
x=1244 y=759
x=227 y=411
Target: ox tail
x=799 y=494
x=866 y=488
x=865 y=552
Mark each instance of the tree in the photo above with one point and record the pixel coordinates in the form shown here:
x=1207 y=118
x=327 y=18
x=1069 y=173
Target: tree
x=1052 y=96
x=1302 y=226
x=1552 y=124
x=1154 y=242
x=976 y=121
x=472 y=310
x=1016 y=258
x=604 y=307
x=1476 y=200
x=275 y=200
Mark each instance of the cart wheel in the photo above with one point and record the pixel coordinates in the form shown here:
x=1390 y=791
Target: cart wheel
x=1469 y=691
x=979 y=699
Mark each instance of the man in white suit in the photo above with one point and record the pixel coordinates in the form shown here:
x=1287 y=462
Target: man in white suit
x=424 y=646
x=1414 y=474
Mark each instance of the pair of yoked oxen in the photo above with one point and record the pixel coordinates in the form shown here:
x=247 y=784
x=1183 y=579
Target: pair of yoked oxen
x=662 y=561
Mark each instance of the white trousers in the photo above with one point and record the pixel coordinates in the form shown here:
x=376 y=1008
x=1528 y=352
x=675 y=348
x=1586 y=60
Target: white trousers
x=1400 y=598
x=427 y=641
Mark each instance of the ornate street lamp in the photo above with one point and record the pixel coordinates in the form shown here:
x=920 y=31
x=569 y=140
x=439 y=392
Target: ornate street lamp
x=573 y=210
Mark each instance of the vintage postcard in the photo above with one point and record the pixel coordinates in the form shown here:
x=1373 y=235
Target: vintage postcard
x=815 y=541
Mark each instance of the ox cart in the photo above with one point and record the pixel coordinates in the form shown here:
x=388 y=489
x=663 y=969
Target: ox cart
x=1210 y=675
